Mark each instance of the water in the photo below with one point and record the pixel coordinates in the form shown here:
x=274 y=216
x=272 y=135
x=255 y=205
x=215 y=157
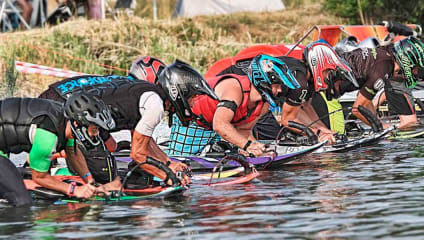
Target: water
x=369 y=193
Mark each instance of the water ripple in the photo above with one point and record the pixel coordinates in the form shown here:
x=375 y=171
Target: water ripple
x=369 y=193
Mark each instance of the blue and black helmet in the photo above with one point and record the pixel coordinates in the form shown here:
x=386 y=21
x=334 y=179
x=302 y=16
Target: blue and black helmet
x=266 y=70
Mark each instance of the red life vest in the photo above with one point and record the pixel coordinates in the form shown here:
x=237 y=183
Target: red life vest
x=205 y=107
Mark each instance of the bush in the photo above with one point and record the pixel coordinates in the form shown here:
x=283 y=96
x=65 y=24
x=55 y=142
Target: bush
x=375 y=11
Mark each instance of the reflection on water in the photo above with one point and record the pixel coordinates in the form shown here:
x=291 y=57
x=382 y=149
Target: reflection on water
x=374 y=192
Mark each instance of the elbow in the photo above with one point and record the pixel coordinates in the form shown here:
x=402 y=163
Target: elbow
x=356 y=113
x=284 y=121
x=138 y=157
x=218 y=127
x=38 y=177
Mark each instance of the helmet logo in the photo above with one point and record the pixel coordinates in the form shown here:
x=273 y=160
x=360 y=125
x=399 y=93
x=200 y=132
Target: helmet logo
x=407 y=65
x=313 y=61
x=173 y=92
x=256 y=74
x=319 y=81
x=267 y=65
x=379 y=84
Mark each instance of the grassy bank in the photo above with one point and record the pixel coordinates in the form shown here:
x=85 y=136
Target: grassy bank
x=85 y=46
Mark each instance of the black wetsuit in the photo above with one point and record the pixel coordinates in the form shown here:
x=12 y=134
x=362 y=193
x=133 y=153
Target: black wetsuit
x=373 y=69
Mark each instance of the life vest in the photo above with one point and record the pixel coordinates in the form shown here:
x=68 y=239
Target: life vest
x=336 y=119
x=69 y=85
x=241 y=67
x=16 y=117
x=205 y=107
x=123 y=100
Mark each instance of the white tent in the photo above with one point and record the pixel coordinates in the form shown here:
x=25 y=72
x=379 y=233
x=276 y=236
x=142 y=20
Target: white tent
x=191 y=8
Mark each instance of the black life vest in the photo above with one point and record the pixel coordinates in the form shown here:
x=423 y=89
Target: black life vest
x=16 y=117
x=67 y=86
x=123 y=100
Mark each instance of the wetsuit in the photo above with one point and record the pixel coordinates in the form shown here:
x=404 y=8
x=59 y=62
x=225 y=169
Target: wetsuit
x=373 y=69
x=29 y=125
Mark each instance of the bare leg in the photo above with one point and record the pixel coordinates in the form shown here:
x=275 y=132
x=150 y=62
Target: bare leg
x=94 y=9
x=26 y=9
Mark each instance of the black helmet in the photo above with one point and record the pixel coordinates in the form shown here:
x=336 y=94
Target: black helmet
x=86 y=109
x=147 y=68
x=180 y=82
x=266 y=70
x=409 y=52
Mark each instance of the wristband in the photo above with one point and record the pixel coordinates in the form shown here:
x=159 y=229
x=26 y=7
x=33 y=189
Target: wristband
x=71 y=189
x=86 y=175
x=247 y=145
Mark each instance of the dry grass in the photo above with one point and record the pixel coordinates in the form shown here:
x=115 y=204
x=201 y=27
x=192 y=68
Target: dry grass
x=81 y=45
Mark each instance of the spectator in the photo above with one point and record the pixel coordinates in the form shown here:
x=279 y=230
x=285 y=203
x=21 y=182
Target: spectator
x=94 y=9
x=26 y=9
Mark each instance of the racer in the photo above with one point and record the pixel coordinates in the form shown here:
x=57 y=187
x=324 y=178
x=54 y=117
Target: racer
x=305 y=104
x=143 y=69
x=139 y=106
x=398 y=91
x=394 y=69
x=243 y=100
x=324 y=63
x=42 y=127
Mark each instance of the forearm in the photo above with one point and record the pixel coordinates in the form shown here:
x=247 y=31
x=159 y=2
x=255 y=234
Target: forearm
x=379 y=98
x=141 y=158
x=47 y=181
x=158 y=153
x=77 y=162
x=230 y=134
x=368 y=105
x=140 y=149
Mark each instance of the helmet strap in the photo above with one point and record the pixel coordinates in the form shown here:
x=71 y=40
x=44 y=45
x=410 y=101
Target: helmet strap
x=170 y=119
x=82 y=137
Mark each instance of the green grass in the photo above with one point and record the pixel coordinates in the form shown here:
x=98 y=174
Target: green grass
x=85 y=46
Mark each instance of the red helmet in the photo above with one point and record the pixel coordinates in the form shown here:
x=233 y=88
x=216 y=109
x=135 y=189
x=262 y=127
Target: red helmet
x=321 y=56
x=147 y=68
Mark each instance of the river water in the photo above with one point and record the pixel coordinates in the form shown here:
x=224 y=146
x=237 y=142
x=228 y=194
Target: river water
x=373 y=192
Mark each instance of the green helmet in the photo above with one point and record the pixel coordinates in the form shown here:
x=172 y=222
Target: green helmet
x=409 y=53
